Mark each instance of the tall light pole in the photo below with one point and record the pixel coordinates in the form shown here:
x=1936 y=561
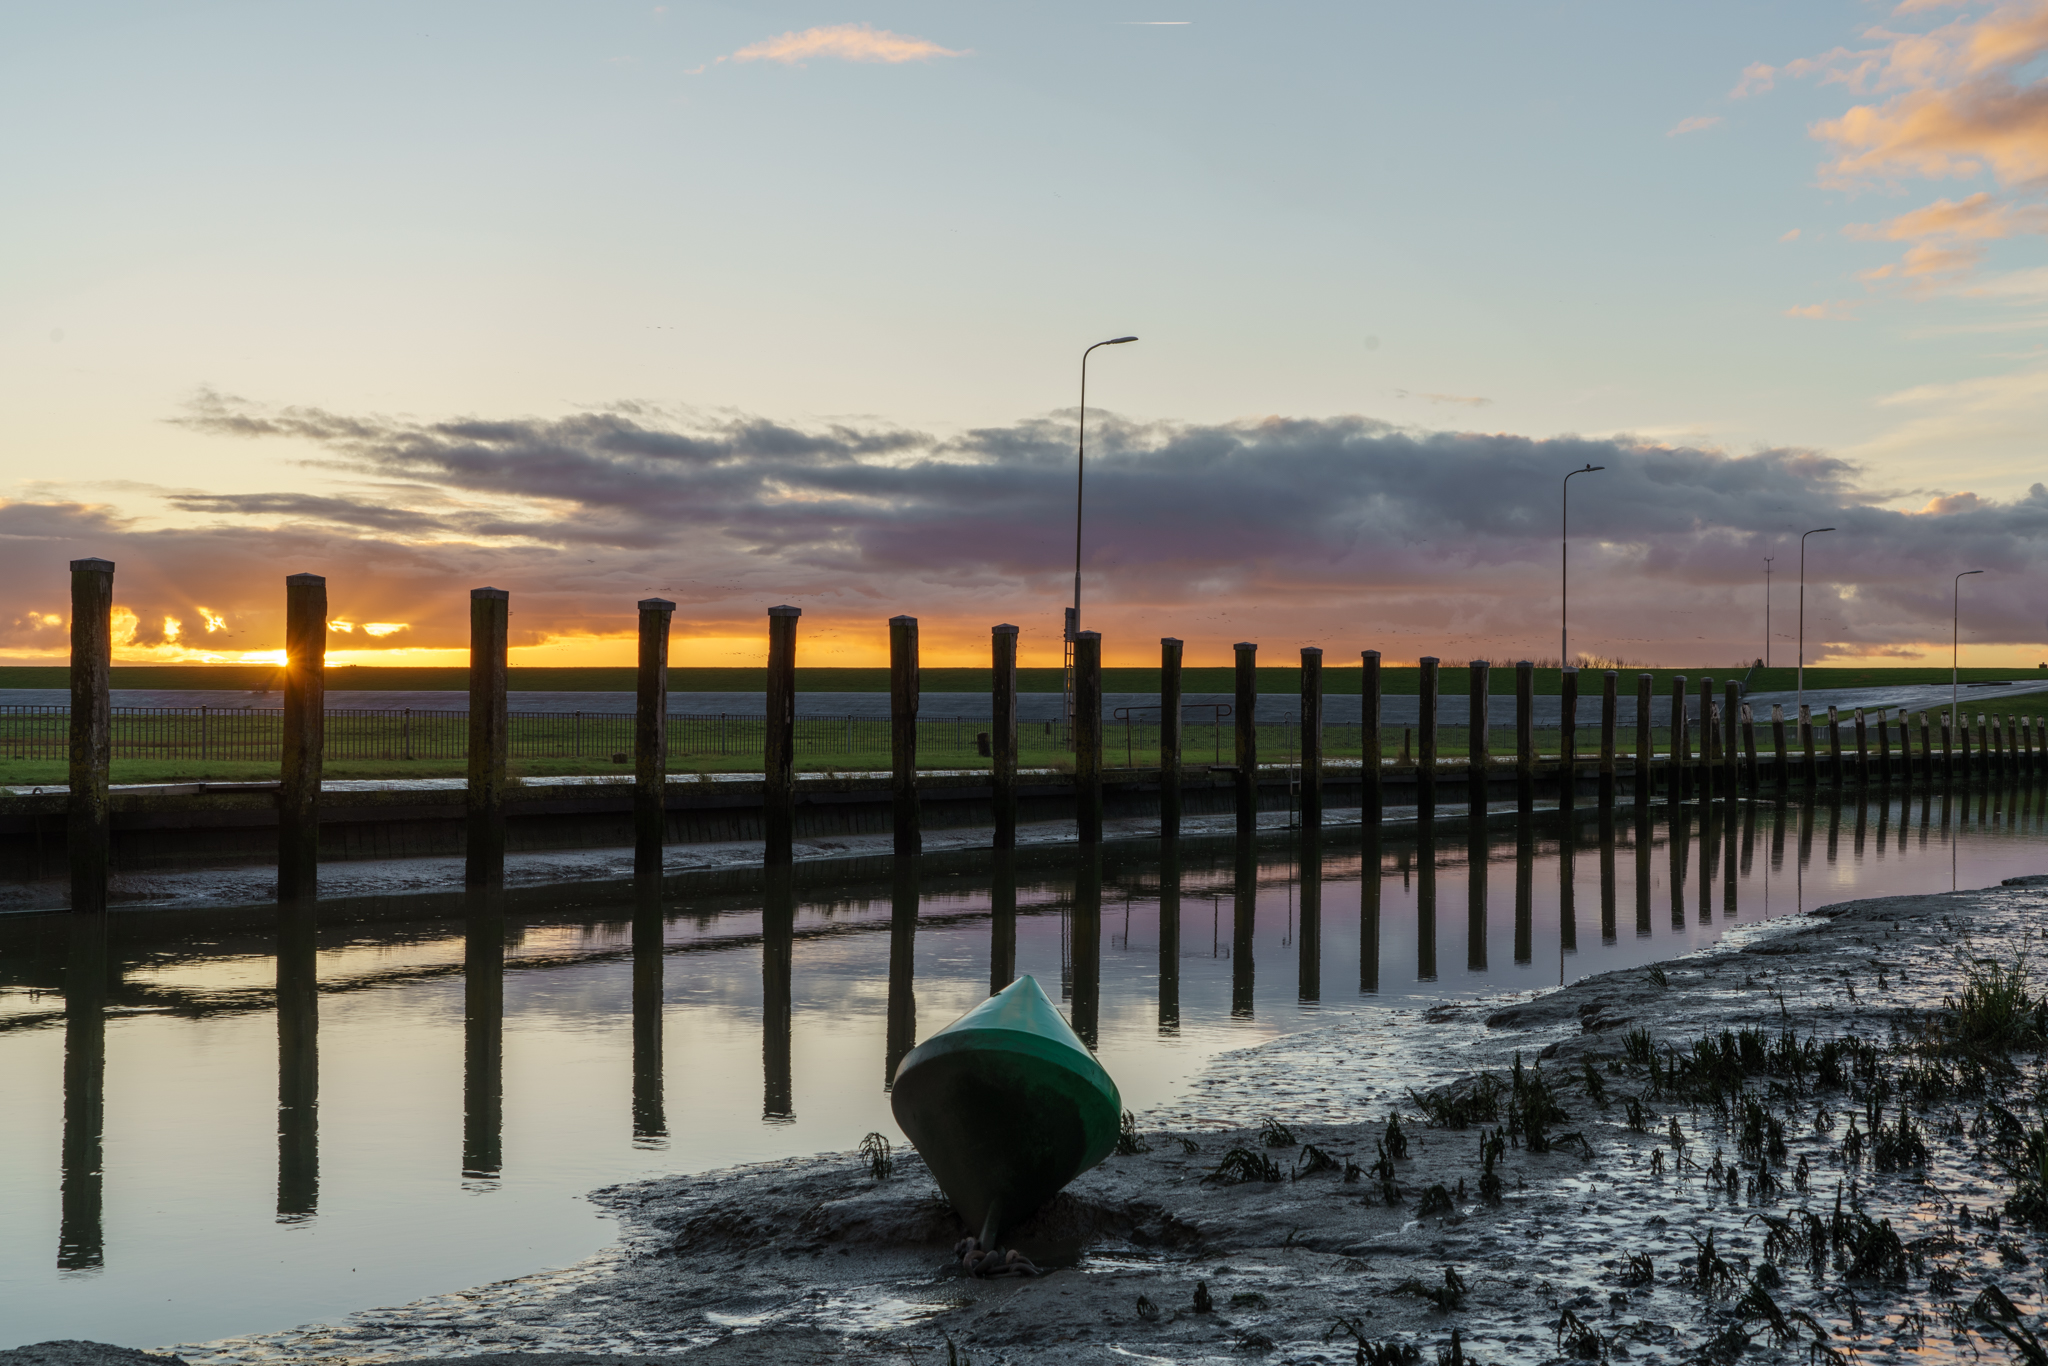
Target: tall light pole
x=1080 y=474
x=1564 y=563
x=1955 y=645
x=1802 y=609
x=1767 y=609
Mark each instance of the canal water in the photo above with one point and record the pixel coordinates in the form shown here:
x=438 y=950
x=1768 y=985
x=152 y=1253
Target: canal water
x=212 y=1126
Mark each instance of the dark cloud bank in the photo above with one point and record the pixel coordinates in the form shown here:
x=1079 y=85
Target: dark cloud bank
x=1342 y=531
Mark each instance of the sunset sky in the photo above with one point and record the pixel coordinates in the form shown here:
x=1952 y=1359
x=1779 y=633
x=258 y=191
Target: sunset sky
x=750 y=304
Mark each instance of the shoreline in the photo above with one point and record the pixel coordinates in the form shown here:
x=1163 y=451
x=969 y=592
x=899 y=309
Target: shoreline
x=812 y=1260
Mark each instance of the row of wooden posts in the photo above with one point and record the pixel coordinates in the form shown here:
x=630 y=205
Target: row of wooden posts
x=1720 y=769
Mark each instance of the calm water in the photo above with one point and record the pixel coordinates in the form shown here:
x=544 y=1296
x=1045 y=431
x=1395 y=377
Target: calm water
x=211 y=1127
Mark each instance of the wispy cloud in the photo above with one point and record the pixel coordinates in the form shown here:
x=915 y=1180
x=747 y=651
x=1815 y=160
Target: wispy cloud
x=842 y=42
x=1693 y=124
x=1839 y=310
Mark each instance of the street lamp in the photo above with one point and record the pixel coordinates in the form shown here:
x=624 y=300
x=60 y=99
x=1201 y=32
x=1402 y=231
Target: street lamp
x=1564 y=545
x=1955 y=644
x=1080 y=471
x=1767 y=609
x=1802 y=609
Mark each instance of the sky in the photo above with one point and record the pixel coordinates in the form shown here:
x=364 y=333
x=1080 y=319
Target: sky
x=740 y=305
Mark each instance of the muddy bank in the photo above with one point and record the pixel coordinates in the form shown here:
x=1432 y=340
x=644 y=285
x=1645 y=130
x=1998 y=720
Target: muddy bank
x=1564 y=1213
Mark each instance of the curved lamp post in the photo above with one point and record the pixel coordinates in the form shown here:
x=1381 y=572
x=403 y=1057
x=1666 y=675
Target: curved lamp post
x=1802 y=609
x=1955 y=645
x=1767 y=609
x=1080 y=472
x=1564 y=627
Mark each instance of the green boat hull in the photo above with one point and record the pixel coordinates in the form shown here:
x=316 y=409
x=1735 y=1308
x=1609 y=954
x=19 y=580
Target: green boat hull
x=1006 y=1106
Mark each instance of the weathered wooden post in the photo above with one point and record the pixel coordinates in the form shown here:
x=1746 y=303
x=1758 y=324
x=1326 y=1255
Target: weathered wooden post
x=903 y=695
x=1678 y=786
x=1525 y=737
x=778 y=752
x=1425 y=754
x=1834 y=750
x=1568 y=739
x=1003 y=745
x=1480 y=683
x=1862 y=751
x=1646 y=745
x=1610 y=706
x=1927 y=759
x=1750 y=777
x=1371 y=748
x=2028 y=746
x=1809 y=769
x=1710 y=742
x=1245 y=711
x=1311 y=738
x=1169 y=738
x=1961 y=757
x=1884 y=748
x=650 y=737
x=1731 y=762
x=88 y=825
x=1782 y=765
x=489 y=628
x=1088 y=736
x=305 y=730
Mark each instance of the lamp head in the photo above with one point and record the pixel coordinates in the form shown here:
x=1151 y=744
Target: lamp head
x=1119 y=341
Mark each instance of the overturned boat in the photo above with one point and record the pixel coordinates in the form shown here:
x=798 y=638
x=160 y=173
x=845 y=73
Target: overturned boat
x=1006 y=1106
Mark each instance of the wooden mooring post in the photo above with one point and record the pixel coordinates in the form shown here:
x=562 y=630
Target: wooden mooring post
x=1781 y=771
x=1311 y=738
x=1834 y=749
x=1525 y=737
x=1425 y=750
x=305 y=729
x=650 y=734
x=1710 y=742
x=1245 y=708
x=1003 y=746
x=1088 y=736
x=88 y=825
x=1169 y=738
x=1809 y=768
x=1479 y=680
x=1373 y=748
x=1646 y=747
x=1862 y=750
x=1884 y=748
x=1731 y=758
x=778 y=749
x=489 y=625
x=903 y=695
x=1678 y=768
x=1610 y=708
x=1568 y=738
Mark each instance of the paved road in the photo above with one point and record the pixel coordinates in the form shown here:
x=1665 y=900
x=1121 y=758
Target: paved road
x=1036 y=708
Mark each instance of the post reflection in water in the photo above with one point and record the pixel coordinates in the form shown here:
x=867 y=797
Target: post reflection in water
x=1730 y=875
x=778 y=942
x=1425 y=903
x=902 y=1021
x=1002 y=930
x=81 y=1245
x=1475 y=895
x=1607 y=888
x=1086 y=938
x=1525 y=890
x=1369 y=911
x=1567 y=894
x=1643 y=846
x=650 y=1115
x=1310 y=940
x=1169 y=938
x=483 y=1035
x=1677 y=834
x=1244 y=911
x=298 y=1062
x=1710 y=832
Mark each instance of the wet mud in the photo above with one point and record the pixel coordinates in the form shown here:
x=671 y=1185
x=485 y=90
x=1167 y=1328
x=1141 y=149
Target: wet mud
x=1820 y=1139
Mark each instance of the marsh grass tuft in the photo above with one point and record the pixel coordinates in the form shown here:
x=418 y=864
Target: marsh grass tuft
x=1435 y=1203
x=1447 y=1297
x=1998 y=1010
x=1313 y=1160
x=1242 y=1165
x=881 y=1163
x=1276 y=1135
x=1128 y=1144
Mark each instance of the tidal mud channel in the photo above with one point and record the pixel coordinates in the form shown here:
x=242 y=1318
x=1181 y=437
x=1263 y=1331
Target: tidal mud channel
x=1571 y=1221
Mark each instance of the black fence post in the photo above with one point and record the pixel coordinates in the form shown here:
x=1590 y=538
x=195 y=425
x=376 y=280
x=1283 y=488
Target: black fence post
x=305 y=729
x=903 y=697
x=489 y=613
x=778 y=745
x=1003 y=743
x=1246 y=714
x=1479 y=681
x=1371 y=746
x=88 y=823
x=1169 y=738
x=1311 y=738
x=1425 y=753
x=1088 y=736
